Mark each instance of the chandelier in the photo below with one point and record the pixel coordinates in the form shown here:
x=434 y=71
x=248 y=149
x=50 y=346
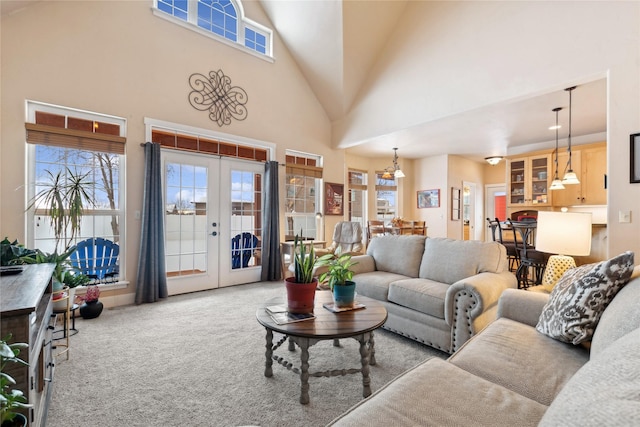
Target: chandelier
x=393 y=171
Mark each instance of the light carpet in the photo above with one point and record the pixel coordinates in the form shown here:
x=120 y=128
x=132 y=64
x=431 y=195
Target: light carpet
x=198 y=360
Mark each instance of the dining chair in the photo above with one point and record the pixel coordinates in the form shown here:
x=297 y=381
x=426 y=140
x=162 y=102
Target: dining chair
x=496 y=235
x=420 y=228
x=375 y=228
x=530 y=260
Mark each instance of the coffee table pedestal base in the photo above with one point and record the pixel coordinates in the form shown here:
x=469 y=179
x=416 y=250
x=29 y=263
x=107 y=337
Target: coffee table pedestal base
x=367 y=358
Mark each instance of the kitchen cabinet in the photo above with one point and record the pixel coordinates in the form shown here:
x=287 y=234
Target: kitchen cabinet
x=25 y=311
x=529 y=180
x=590 y=165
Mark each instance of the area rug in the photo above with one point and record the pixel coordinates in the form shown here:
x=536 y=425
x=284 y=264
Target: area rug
x=198 y=360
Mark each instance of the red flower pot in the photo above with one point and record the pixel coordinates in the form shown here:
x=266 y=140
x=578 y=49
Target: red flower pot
x=300 y=296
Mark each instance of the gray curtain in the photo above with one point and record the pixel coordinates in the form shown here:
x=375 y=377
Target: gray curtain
x=152 y=277
x=271 y=265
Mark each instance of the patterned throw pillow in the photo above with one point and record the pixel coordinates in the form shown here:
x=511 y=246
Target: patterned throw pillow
x=580 y=296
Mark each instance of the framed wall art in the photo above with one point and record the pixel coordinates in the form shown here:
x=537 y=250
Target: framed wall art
x=634 y=152
x=428 y=199
x=333 y=199
x=455 y=204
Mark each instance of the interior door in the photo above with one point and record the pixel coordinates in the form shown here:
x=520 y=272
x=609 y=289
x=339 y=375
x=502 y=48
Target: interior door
x=213 y=221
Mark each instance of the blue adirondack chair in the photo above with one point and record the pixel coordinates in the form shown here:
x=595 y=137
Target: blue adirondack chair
x=242 y=248
x=96 y=257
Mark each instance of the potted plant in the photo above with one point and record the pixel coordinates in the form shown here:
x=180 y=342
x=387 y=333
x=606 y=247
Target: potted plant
x=11 y=253
x=11 y=400
x=339 y=275
x=91 y=308
x=72 y=280
x=301 y=288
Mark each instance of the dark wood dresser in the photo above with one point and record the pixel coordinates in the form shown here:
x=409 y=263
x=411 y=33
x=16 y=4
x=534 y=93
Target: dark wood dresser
x=25 y=312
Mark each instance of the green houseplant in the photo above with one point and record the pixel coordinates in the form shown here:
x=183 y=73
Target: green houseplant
x=11 y=400
x=61 y=260
x=339 y=276
x=11 y=253
x=301 y=288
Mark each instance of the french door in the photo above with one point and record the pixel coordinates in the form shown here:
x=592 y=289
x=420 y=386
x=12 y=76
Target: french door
x=213 y=221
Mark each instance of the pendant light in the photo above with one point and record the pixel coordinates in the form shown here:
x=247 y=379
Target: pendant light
x=393 y=171
x=570 y=177
x=556 y=184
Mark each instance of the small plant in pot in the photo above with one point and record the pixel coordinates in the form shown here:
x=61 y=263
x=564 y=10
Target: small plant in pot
x=339 y=276
x=11 y=400
x=301 y=288
x=91 y=307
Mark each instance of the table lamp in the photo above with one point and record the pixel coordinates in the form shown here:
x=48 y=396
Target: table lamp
x=566 y=234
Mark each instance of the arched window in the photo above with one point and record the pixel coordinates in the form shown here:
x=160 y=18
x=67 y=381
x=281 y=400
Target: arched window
x=223 y=20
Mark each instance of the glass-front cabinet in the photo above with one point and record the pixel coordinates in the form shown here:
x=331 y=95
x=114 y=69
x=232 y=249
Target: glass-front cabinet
x=529 y=180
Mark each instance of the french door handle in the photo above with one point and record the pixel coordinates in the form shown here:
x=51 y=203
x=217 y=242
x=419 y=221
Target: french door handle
x=214 y=233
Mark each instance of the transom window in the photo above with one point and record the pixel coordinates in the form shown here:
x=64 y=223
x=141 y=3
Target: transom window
x=222 y=19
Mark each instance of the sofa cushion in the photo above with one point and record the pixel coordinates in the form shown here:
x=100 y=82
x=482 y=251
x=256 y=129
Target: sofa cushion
x=621 y=316
x=436 y=393
x=449 y=260
x=605 y=392
x=423 y=295
x=375 y=284
x=580 y=296
x=397 y=254
x=516 y=356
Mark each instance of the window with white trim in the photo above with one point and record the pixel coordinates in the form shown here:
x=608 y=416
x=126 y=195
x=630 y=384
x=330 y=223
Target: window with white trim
x=66 y=142
x=302 y=203
x=221 y=19
x=386 y=197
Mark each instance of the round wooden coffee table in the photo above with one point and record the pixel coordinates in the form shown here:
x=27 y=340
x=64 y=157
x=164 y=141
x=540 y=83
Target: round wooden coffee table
x=357 y=324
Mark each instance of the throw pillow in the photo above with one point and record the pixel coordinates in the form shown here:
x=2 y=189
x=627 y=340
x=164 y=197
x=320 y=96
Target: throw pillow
x=580 y=296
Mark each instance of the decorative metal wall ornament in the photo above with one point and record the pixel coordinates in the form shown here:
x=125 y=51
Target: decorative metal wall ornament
x=215 y=94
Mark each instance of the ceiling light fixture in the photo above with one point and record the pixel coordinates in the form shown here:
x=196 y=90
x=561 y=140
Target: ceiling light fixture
x=570 y=177
x=493 y=160
x=393 y=171
x=556 y=184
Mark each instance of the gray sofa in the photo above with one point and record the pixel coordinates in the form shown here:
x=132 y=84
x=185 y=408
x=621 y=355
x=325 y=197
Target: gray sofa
x=511 y=375
x=437 y=291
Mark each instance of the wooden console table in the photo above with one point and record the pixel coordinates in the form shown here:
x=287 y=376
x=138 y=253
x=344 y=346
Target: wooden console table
x=25 y=309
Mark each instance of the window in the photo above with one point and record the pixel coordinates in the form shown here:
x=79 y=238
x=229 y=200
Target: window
x=304 y=180
x=223 y=20
x=70 y=143
x=386 y=197
x=358 y=197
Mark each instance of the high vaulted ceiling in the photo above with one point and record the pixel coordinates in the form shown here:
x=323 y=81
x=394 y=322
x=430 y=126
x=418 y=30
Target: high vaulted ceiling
x=336 y=45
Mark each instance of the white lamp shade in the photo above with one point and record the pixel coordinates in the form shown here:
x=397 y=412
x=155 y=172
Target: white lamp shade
x=565 y=233
x=398 y=173
x=570 y=178
x=556 y=184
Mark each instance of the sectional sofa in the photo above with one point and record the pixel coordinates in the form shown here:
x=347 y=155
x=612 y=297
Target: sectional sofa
x=512 y=374
x=437 y=291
